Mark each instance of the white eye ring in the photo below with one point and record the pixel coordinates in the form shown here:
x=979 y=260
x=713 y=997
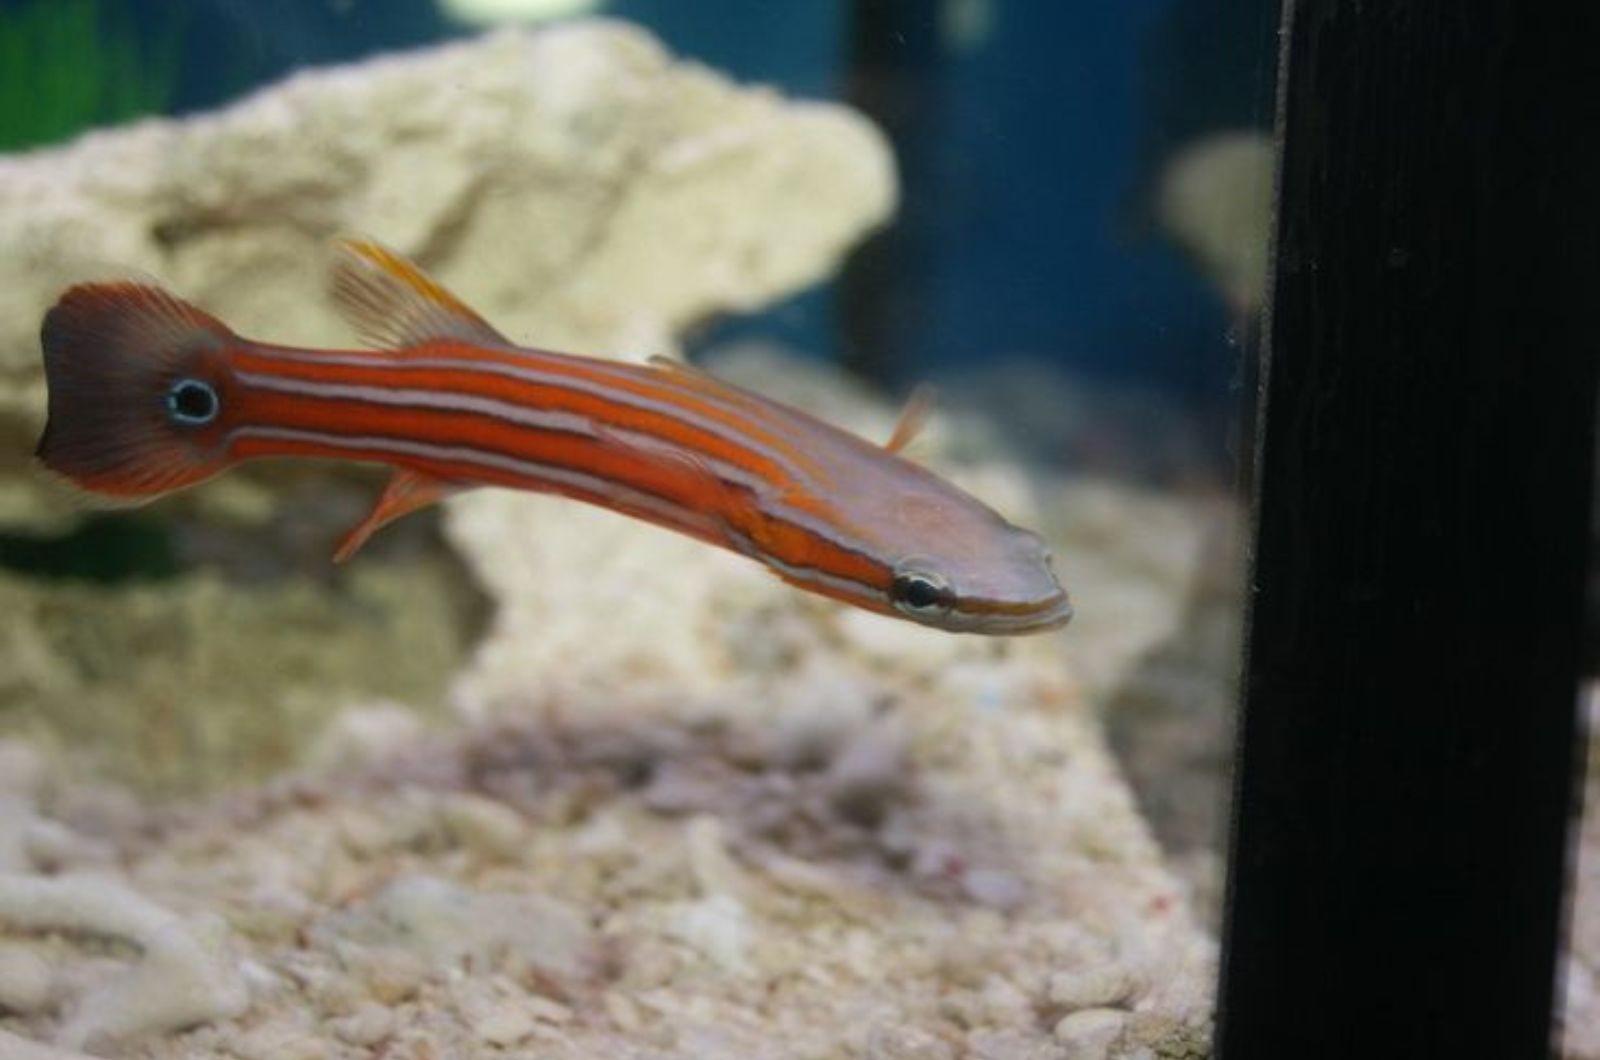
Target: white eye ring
x=921 y=593
x=192 y=402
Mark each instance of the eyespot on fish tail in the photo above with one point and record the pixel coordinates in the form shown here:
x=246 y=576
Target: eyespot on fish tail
x=136 y=390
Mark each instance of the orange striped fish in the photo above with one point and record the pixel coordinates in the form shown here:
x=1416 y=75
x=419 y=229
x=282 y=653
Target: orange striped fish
x=150 y=394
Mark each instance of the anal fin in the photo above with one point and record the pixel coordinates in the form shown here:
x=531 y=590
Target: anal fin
x=406 y=492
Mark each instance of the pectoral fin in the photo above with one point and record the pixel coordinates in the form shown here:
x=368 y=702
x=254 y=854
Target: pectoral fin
x=685 y=473
x=406 y=492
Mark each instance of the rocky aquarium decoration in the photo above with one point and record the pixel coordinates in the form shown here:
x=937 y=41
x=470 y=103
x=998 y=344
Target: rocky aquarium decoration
x=534 y=779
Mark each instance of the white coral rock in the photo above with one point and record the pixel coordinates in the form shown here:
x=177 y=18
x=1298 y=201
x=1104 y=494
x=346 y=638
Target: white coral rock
x=185 y=976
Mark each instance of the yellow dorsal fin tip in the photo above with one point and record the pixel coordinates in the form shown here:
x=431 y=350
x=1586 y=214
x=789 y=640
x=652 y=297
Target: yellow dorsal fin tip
x=392 y=302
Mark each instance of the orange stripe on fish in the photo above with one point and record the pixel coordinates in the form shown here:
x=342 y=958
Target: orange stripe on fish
x=149 y=394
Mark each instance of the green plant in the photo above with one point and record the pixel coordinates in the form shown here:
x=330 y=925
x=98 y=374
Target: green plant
x=67 y=65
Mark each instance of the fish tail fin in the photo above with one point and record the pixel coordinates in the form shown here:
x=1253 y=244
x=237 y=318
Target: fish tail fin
x=138 y=390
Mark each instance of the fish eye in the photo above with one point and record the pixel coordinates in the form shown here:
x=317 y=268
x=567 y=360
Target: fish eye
x=921 y=593
x=193 y=402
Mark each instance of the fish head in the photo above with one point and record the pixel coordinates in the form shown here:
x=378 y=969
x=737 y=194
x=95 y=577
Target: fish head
x=960 y=566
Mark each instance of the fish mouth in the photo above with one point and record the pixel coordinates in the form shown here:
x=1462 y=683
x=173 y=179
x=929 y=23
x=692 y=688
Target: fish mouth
x=1057 y=615
x=1043 y=618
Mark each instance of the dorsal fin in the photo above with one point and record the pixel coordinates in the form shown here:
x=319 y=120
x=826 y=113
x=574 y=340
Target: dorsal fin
x=701 y=379
x=393 y=303
x=778 y=421
x=913 y=417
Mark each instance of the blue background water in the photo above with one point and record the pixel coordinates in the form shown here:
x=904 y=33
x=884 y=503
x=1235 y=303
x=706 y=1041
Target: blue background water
x=1027 y=161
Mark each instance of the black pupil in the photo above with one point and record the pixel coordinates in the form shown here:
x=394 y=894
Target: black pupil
x=192 y=401
x=918 y=593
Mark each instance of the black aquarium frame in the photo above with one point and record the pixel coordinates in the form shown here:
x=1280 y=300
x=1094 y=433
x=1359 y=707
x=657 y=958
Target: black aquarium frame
x=1409 y=737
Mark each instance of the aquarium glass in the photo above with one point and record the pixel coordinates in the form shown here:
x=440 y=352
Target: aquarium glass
x=525 y=776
